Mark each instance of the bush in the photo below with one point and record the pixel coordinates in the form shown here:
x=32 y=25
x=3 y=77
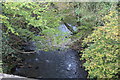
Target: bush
x=89 y=15
x=6 y=54
x=102 y=54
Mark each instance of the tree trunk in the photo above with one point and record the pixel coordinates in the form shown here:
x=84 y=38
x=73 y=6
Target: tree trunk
x=69 y=27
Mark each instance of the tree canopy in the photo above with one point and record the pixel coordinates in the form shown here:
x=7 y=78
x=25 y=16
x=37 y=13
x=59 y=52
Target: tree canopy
x=96 y=35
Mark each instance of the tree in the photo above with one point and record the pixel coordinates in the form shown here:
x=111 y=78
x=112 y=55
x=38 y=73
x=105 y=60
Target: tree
x=102 y=54
x=25 y=21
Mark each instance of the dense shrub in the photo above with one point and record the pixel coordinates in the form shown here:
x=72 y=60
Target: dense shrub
x=88 y=15
x=0 y=51
x=103 y=49
x=7 y=54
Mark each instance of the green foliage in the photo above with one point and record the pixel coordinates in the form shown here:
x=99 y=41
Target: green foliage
x=1 y=52
x=103 y=49
x=26 y=20
x=29 y=21
x=6 y=50
x=89 y=15
x=36 y=21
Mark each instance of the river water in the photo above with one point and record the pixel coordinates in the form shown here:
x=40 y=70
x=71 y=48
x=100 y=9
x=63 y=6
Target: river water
x=52 y=64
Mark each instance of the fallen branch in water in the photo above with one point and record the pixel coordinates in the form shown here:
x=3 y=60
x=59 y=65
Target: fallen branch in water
x=20 y=50
x=23 y=51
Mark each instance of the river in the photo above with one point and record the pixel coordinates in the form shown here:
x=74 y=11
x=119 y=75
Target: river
x=50 y=64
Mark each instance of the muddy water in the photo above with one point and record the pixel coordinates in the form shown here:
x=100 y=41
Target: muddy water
x=53 y=64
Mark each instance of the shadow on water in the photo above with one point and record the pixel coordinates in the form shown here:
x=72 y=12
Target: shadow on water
x=54 y=64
